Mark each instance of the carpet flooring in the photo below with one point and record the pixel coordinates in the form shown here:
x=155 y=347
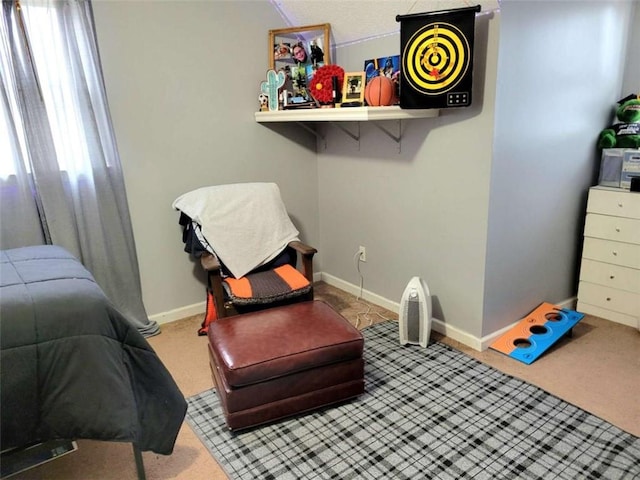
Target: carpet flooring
x=426 y=413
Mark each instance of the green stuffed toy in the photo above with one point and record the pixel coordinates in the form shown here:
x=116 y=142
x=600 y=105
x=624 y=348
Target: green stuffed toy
x=627 y=133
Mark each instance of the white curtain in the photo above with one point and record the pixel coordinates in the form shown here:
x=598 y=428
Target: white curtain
x=61 y=180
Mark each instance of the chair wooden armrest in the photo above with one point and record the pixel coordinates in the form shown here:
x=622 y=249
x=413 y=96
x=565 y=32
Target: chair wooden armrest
x=306 y=253
x=211 y=264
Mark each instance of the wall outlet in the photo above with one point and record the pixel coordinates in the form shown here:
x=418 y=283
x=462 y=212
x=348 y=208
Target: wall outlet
x=362 y=251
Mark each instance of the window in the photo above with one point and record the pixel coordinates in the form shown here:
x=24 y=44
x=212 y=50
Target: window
x=55 y=75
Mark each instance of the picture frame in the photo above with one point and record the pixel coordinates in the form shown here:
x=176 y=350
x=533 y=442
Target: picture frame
x=388 y=66
x=299 y=52
x=353 y=89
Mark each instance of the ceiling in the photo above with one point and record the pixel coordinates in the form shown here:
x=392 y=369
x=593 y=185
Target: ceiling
x=357 y=20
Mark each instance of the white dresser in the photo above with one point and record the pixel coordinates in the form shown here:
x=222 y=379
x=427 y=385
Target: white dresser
x=610 y=269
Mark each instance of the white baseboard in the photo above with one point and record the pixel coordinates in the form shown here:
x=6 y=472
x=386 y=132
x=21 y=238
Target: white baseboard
x=569 y=303
x=179 y=313
x=194 y=309
x=456 y=334
x=365 y=294
x=487 y=340
x=436 y=324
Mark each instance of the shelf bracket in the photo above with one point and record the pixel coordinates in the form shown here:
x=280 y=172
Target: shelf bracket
x=354 y=136
x=396 y=138
x=312 y=130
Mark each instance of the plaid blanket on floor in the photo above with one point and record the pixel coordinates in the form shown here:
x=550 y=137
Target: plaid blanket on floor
x=431 y=413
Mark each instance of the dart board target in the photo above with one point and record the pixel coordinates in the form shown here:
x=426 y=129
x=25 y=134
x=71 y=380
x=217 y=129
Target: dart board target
x=436 y=58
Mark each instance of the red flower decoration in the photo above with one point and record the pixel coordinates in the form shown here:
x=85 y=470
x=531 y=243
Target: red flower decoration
x=322 y=83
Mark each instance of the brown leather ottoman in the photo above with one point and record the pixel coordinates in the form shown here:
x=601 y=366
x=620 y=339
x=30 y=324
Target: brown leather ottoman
x=282 y=361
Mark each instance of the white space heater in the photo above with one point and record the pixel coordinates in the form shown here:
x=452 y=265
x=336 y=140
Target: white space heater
x=415 y=313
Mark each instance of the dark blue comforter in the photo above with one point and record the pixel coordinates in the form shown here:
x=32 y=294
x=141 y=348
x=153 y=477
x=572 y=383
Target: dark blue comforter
x=71 y=366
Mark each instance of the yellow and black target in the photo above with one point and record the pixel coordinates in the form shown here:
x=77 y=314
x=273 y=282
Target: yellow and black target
x=436 y=58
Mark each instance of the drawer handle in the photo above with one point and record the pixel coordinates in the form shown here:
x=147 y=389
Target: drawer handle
x=615 y=254
x=620 y=204
x=608 y=299
x=612 y=277
x=618 y=229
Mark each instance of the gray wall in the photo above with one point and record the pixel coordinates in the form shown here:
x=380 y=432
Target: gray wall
x=421 y=211
x=485 y=203
x=550 y=106
x=631 y=82
x=182 y=79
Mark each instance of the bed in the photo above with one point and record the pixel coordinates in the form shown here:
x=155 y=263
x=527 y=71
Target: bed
x=72 y=366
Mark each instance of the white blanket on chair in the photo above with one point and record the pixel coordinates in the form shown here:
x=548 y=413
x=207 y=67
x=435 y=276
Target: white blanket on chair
x=246 y=223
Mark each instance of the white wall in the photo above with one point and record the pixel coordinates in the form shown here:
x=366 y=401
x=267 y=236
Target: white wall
x=182 y=79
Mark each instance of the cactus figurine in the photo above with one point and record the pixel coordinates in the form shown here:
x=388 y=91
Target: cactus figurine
x=271 y=87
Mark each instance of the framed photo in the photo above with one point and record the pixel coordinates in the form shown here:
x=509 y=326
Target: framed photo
x=299 y=52
x=353 y=89
x=388 y=66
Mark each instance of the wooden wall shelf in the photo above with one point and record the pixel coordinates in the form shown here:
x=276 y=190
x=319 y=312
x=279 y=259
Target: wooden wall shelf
x=347 y=114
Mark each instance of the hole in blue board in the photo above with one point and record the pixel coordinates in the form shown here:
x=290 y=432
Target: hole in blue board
x=538 y=329
x=522 y=343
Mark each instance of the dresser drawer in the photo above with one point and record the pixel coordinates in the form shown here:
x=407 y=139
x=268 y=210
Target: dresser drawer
x=609 y=275
x=612 y=228
x=609 y=298
x=614 y=202
x=618 y=253
x=608 y=314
